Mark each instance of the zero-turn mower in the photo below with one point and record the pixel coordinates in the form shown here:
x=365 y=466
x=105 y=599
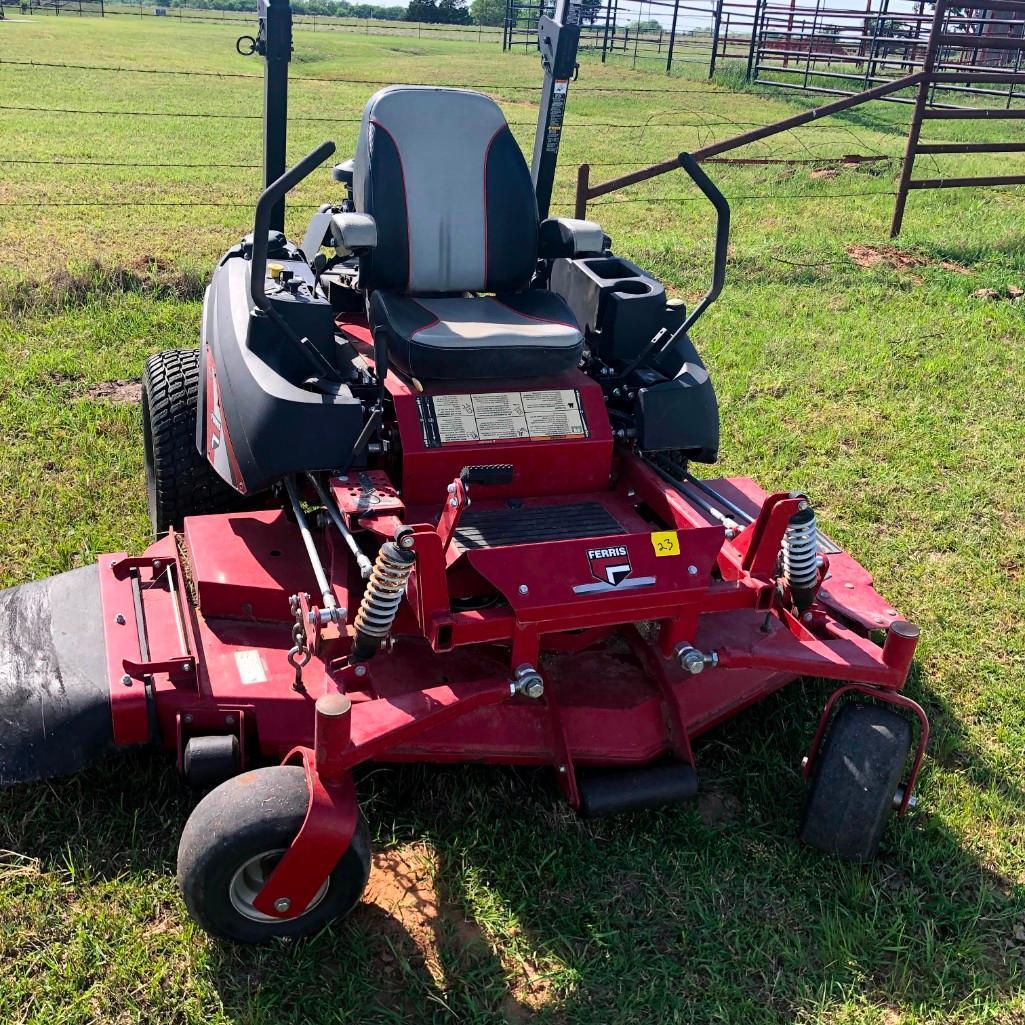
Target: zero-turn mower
x=424 y=493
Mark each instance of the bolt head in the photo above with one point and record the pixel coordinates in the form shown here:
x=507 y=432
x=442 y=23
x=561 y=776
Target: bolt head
x=692 y=570
x=360 y=670
x=807 y=617
x=451 y=489
x=534 y=689
x=126 y=680
x=804 y=762
x=891 y=612
x=282 y=904
x=120 y=619
x=407 y=541
x=229 y=720
x=849 y=586
x=186 y=667
x=523 y=589
x=187 y=719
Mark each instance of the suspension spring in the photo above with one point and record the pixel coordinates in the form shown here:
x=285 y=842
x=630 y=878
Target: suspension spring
x=381 y=599
x=801 y=557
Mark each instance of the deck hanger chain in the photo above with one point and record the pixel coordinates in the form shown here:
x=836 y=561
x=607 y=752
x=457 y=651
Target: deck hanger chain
x=299 y=654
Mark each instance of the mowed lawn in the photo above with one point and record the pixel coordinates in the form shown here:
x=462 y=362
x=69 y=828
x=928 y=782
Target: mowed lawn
x=887 y=383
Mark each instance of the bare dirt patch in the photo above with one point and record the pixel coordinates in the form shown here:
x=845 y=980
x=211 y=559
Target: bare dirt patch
x=897 y=259
x=126 y=392
x=415 y=929
x=1009 y=294
x=717 y=808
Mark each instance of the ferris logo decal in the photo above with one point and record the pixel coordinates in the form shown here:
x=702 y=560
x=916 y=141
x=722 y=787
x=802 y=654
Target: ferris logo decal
x=610 y=565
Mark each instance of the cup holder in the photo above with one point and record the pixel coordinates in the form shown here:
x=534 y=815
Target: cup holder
x=632 y=286
x=610 y=268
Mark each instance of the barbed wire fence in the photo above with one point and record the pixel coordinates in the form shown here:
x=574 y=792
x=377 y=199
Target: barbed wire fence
x=801 y=151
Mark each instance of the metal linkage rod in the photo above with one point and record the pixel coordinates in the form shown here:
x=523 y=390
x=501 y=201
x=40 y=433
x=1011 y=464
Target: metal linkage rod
x=326 y=594
x=366 y=567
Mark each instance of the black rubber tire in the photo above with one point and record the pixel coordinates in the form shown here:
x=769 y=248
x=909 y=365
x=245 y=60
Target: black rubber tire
x=209 y=761
x=854 y=780
x=247 y=816
x=179 y=480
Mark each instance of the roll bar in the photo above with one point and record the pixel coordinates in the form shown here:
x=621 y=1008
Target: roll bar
x=722 y=237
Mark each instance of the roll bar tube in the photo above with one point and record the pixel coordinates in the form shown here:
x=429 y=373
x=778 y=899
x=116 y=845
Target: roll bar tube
x=722 y=236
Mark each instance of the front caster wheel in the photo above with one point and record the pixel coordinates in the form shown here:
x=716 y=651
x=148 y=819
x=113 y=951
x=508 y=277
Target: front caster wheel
x=854 y=781
x=231 y=843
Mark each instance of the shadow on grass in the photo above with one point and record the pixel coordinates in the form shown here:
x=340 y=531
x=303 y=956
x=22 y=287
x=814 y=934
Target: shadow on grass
x=491 y=902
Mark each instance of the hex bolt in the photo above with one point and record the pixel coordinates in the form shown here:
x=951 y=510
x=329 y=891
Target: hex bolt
x=120 y=619
x=359 y=669
x=186 y=667
x=282 y=904
x=523 y=589
x=692 y=570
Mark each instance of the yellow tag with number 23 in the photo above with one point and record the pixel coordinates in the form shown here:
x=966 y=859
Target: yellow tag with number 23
x=665 y=542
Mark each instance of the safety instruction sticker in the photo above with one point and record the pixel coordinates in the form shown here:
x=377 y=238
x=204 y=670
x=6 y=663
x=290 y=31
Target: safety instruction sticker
x=502 y=416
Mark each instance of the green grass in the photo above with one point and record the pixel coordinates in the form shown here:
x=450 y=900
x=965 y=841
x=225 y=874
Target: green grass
x=894 y=397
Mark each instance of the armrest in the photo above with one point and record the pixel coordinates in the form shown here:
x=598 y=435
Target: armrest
x=353 y=232
x=567 y=236
x=344 y=172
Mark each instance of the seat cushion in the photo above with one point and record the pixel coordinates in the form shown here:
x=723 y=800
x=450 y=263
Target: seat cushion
x=529 y=334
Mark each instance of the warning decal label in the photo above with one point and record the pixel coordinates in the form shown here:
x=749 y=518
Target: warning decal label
x=500 y=416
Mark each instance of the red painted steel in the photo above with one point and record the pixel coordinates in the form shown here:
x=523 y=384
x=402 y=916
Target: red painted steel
x=325 y=835
x=598 y=617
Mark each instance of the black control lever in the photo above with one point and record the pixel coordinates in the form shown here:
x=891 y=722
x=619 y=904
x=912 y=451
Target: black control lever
x=659 y=343
x=269 y=198
x=491 y=475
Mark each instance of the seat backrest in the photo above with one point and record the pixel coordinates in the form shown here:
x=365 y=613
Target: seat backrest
x=440 y=172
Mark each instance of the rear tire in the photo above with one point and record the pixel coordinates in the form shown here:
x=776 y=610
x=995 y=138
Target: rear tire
x=231 y=843
x=854 y=781
x=179 y=480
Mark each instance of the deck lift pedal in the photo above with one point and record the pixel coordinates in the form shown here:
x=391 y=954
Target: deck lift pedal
x=425 y=492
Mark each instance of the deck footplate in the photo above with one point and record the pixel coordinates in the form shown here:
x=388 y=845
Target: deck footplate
x=491 y=528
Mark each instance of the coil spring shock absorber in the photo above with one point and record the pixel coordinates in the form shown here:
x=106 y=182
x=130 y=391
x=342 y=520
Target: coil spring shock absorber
x=381 y=599
x=801 y=557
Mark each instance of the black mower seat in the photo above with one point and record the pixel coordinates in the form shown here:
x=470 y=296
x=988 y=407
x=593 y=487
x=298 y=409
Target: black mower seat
x=521 y=335
x=457 y=240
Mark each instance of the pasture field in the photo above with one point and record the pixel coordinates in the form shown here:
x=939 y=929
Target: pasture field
x=887 y=381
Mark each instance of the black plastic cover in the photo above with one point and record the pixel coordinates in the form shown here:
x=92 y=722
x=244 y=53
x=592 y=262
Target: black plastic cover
x=54 y=695
x=619 y=306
